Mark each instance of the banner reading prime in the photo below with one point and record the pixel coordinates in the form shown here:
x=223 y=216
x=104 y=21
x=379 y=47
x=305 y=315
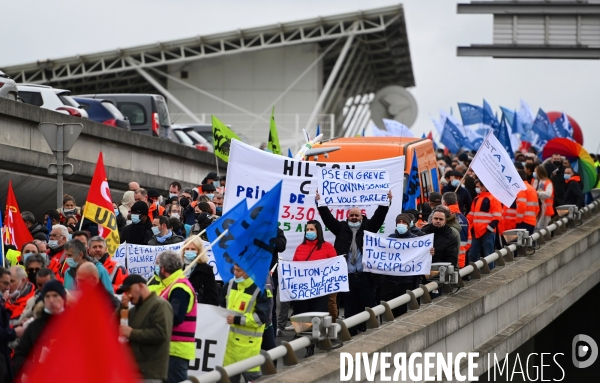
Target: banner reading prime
x=396 y=256
x=140 y=259
x=340 y=187
x=253 y=172
x=305 y=280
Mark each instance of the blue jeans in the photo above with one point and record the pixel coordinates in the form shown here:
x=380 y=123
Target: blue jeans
x=482 y=247
x=177 y=369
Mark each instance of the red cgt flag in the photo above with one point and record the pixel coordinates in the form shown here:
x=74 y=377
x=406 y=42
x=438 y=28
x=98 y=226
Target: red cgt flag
x=85 y=336
x=15 y=232
x=99 y=208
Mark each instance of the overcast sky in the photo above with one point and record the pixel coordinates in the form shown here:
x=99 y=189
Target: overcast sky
x=41 y=29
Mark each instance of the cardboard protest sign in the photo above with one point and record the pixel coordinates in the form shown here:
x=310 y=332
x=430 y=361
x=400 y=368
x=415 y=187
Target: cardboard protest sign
x=396 y=256
x=212 y=331
x=340 y=187
x=253 y=172
x=140 y=259
x=305 y=280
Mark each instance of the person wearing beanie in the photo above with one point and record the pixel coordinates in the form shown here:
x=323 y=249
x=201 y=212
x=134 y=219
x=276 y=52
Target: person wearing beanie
x=211 y=178
x=140 y=230
x=414 y=216
x=54 y=298
x=209 y=190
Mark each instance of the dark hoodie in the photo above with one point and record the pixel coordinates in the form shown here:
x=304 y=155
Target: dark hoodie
x=137 y=233
x=38 y=228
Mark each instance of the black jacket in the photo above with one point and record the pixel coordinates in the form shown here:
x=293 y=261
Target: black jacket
x=464 y=197
x=280 y=243
x=7 y=335
x=38 y=228
x=559 y=185
x=574 y=195
x=174 y=238
x=414 y=230
x=343 y=233
x=400 y=279
x=203 y=281
x=137 y=233
x=444 y=244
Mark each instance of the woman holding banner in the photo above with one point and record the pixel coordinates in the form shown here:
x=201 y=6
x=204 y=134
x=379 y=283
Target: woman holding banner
x=202 y=276
x=313 y=248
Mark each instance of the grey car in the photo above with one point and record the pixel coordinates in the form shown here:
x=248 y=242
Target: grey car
x=8 y=87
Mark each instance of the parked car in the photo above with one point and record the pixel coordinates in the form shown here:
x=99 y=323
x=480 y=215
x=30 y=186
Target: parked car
x=198 y=140
x=104 y=112
x=45 y=97
x=205 y=131
x=66 y=99
x=8 y=87
x=147 y=113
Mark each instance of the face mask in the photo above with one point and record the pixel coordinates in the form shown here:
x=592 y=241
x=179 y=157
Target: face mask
x=184 y=202
x=157 y=270
x=401 y=228
x=439 y=156
x=523 y=163
x=72 y=263
x=171 y=195
x=31 y=277
x=354 y=225
x=210 y=196
x=190 y=255
x=68 y=211
x=27 y=255
x=477 y=190
x=175 y=215
x=461 y=163
x=135 y=218
x=239 y=280
x=116 y=212
x=535 y=175
x=155 y=230
x=455 y=183
x=311 y=235
x=53 y=244
x=412 y=223
x=70 y=236
x=567 y=176
x=219 y=210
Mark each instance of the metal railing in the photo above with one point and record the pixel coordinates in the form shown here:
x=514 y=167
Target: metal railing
x=370 y=315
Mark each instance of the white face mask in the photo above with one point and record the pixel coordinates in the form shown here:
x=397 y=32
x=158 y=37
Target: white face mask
x=175 y=215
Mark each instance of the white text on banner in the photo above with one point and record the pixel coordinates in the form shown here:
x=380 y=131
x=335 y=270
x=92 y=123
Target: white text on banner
x=397 y=256
x=305 y=280
x=253 y=172
x=343 y=187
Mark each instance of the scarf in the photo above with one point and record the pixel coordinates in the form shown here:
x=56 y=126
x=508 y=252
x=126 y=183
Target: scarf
x=165 y=237
x=353 y=247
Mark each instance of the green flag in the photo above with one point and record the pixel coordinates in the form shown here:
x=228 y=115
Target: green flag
x=273 y=145
x=222 y=137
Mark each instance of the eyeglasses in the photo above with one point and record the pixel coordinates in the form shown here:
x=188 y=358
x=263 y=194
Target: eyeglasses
x=31 y=271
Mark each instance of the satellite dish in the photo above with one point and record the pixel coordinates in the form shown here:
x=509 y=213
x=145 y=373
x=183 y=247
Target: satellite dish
x=394 y=103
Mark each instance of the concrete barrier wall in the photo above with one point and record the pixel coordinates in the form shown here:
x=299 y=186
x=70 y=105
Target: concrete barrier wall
x=495 y=314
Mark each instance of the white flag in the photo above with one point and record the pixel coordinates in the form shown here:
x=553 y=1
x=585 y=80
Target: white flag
x=397 y=129
x=496 y=171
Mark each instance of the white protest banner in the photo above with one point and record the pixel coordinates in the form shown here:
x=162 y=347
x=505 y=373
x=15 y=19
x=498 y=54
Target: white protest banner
x=140 y=259
x=212 y=331
x=496 y=171
x=305 y=280
x=341 y=187
x=253 y=172
x=397 y=256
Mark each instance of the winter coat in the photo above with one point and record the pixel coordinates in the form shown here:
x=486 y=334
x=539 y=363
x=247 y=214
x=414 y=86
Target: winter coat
x=174 y=238
x=573 y=194
x=279 y=243
x=7 y=335
x=40 y=230
x=400 y=279
x=137 y=233
x=456 y=228
x=444 y=244
x=309 y=252
x=31 y=335
x=203 y=281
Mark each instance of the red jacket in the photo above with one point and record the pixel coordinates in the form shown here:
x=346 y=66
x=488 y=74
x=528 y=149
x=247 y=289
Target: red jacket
x=303 y=251
x=116 y=271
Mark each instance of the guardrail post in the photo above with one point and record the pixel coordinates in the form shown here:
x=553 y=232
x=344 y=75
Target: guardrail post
x=388 y=316
x=373 y=322
x=510 y=256
x=325 y=344
x=413 y=304
x=500 y=260
x=485 y=269
x=541 y=240
x=343 y=334
x=290 y=358
x=547 y=235
x=268 y=367
x=224 y=375
x=475 y=274
x=426 y=298
x=563 y=227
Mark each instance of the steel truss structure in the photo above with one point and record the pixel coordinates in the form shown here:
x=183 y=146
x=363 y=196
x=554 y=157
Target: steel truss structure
x=379 y=56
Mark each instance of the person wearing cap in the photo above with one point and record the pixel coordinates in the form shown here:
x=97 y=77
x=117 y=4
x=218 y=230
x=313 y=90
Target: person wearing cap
x=349 y=242
x=209 y=190
x=463 y=195
x=187 y=203
x=155 y=209
x=149 y=328
x=171 y=284
x=464 y=159
x=54 y=298
x=414 y=216
x=392 y=286
x=211 y=178
x=140 y=230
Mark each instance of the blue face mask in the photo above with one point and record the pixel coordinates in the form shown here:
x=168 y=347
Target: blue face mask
x=135 y=218
x=210 y=196
x=190 y=255
x=155 y=230
x=239 y=280
x=535 y=175
x=171 y=195
x=311 y=235
x=116 y=212
x=354 y=225
x=219 y=209
x=567 y=176
x=157 y=270
x=72 y=263
x=455 y=183
x=27 y=255
x=401 y=228
x=70 y=237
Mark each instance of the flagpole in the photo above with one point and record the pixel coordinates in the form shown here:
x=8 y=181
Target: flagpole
x=476 y=154
x=83 y=216
x=217 y=163
x=3 y=255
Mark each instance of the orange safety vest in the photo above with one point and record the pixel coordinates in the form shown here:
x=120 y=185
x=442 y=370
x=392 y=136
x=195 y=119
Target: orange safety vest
x=465 y=243
x=152 y=213
x=527 y=205
x=548 y=202
x=116 y=272
x=481 y=221
x=509 y=219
